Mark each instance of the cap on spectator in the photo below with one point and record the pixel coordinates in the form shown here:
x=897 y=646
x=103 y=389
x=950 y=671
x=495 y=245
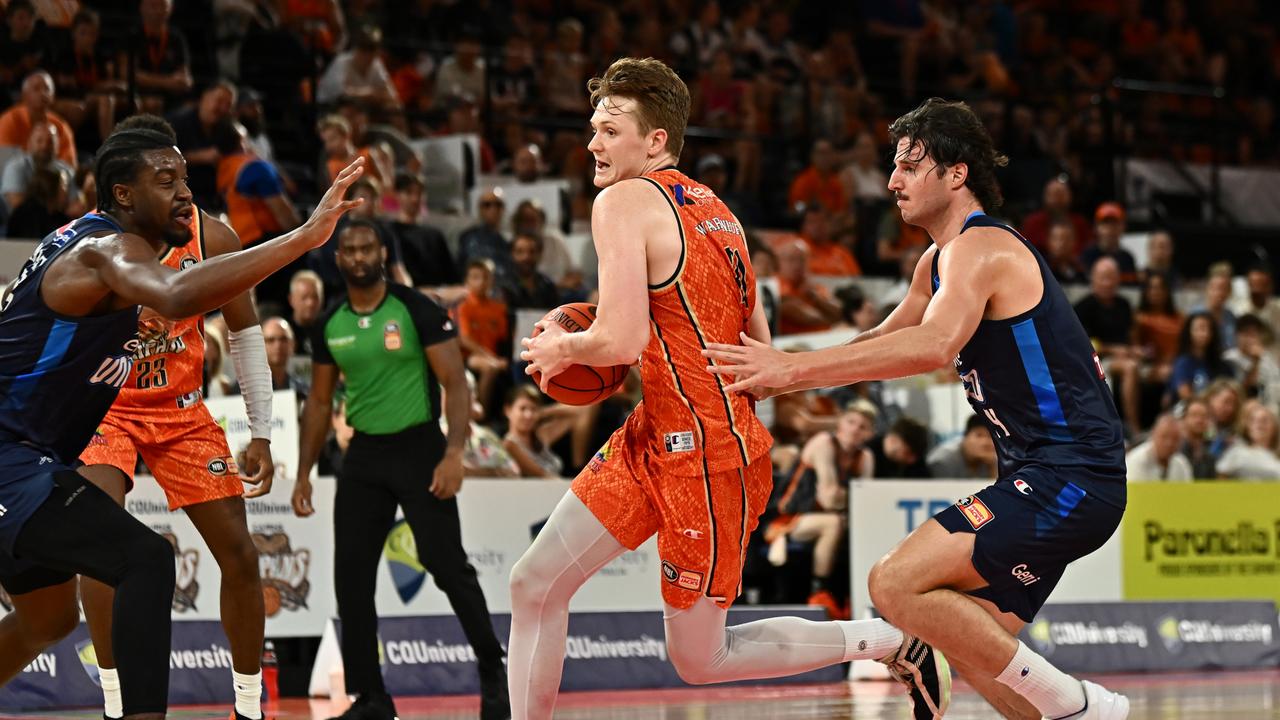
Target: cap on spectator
x=1109 y=211
x=709 y=163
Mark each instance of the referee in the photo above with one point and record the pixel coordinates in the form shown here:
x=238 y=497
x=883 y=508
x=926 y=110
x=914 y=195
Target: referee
x=393 y=346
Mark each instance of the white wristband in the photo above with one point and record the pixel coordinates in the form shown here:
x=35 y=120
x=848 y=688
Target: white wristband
x=249 y=354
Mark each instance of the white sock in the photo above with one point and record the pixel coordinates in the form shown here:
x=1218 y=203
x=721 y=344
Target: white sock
x=1054 y=693
x=869 y=639
x=113 y=705
x=248 y=694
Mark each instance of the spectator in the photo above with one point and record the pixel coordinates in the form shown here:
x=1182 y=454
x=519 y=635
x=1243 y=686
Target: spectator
x=1257 y=455
x=1261 y=299
x=252 y=189
x=1061 y=254
x=805 y=306
x=318 y=23
x=42 y=153
x=1109 y=223
x=44 y=209
x=826 y=256
x=1156 y=330
x=857 y=311
x=820 y=182
x=485 y=457
x=88 y=77
x=1225 y=398
x=901 y=452
x=713 y=173
x=1254 y=364
x=1199 y=360
x=1197 y=431
x=36 y=106
x=972 y=455
x=359 y=73
x=1108 y=319
x=216 y=382
x=1056 y=208
x=895 y=238
x=278 y=337
x=532 y=428
x=1217 y=291
x=694 y=44
x=864 y=178
x=529 y=218
x=306 y=300
x=195 y=128
x=814 y=503
x=907 y=261
x=531 y=288
x=1159 y=458
x=1160 y=259
x=423 y=248
x=485 y=240
x=484 y=330
x=514 y=83
x=250 y=114
x=24 y=46
x=157 y=53
x=564 y=70
x=340 y=150
x=462 y=74
x=526 y=163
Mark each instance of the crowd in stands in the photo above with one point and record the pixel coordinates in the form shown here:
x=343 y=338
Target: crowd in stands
x=270 y=98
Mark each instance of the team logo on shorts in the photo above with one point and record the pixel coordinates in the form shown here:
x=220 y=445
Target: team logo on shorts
x=187 y=262
x=600 y=458
x=1022 y=486
x=220 y=466
x=975 y=511
x=687 y=579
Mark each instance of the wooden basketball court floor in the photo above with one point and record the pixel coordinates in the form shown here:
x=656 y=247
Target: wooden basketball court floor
x=1252 y=695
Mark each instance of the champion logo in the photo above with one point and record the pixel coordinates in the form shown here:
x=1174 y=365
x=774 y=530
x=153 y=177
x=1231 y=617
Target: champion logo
x=692 y=534
x=1022 y=486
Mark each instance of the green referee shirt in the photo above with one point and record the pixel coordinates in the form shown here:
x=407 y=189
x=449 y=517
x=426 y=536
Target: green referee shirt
x=389 y=385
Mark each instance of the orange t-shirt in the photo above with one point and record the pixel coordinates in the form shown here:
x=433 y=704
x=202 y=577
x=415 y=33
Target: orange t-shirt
x=832 y=259
x=168 y=367
x=810 y=186
x=15 y=129
x=687 y=424
x=484 y=320
x=788 y=290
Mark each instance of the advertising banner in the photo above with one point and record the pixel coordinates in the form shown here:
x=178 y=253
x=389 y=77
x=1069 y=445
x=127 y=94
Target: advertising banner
x=1144 y=636
x=1210 y=540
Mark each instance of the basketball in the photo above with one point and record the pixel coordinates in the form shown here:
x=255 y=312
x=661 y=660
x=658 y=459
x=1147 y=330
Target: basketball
x=580 y=384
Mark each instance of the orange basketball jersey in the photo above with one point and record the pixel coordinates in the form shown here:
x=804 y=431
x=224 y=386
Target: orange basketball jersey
x=168 y=367
x=690 y=425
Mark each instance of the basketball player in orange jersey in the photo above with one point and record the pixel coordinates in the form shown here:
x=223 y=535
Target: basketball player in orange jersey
x=692 y=462
x=161 y=414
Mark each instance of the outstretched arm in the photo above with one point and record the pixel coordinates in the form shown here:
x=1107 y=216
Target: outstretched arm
x=968 y=276
x=126 y=264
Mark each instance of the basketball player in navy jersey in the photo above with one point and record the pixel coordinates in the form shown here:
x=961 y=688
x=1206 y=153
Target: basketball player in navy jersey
x=68 y=332
x=982 y=298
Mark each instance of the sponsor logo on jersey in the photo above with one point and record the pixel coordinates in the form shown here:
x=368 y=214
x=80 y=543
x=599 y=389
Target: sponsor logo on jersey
x=286 y=572
x=364 y=323
x=187 y=261
x=1023 y=575
x=1022 y=486
x=678 y=442
x=687 y=579
x=222 y=465
x=669 y=572
x=601 y=457
x=692 y=534
x=975 y=511
x=391 y=339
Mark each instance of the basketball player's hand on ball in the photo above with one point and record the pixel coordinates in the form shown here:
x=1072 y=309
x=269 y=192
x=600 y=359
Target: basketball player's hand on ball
x=259 y=466
x=543 y=352
x=756 y=368
x=447 y=479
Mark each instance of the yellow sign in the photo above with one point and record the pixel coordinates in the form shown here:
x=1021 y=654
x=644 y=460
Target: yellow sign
x=1207 y=540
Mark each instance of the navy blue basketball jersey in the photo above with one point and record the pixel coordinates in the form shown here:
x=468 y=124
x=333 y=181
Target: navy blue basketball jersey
x=1037 y=382
x=59 y=375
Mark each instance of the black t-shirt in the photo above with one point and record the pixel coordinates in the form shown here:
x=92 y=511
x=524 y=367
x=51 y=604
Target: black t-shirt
x=1109 y=324
x=543 y=295
x=425 y=254
x=202 y=178
x=886 y=468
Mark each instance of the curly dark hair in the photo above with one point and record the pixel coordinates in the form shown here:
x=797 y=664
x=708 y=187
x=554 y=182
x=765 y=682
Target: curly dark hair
x=950 y=133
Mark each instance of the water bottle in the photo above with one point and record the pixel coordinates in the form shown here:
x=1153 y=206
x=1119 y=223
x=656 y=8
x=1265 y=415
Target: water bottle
x=270 y=673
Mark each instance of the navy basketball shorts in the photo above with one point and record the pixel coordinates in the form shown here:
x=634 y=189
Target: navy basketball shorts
x=1030 y=524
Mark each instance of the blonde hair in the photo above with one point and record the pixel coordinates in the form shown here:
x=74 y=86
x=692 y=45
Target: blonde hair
x=661 y=97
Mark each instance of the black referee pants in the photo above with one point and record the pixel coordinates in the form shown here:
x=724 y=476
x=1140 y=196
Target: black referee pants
x=379 y=473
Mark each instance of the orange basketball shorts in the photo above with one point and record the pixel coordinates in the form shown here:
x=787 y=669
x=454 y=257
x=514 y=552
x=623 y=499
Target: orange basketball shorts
x=185 y=450
x=703 y=521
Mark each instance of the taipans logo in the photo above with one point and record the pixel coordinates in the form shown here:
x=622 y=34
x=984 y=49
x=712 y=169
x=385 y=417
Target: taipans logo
x=601 y=457
x=1167 y=629
x=402 y=558
x=286 y=573
x=186 y=588
x=89 y=661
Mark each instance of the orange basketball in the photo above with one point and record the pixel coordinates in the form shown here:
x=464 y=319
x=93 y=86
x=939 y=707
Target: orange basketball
x=580 y=384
